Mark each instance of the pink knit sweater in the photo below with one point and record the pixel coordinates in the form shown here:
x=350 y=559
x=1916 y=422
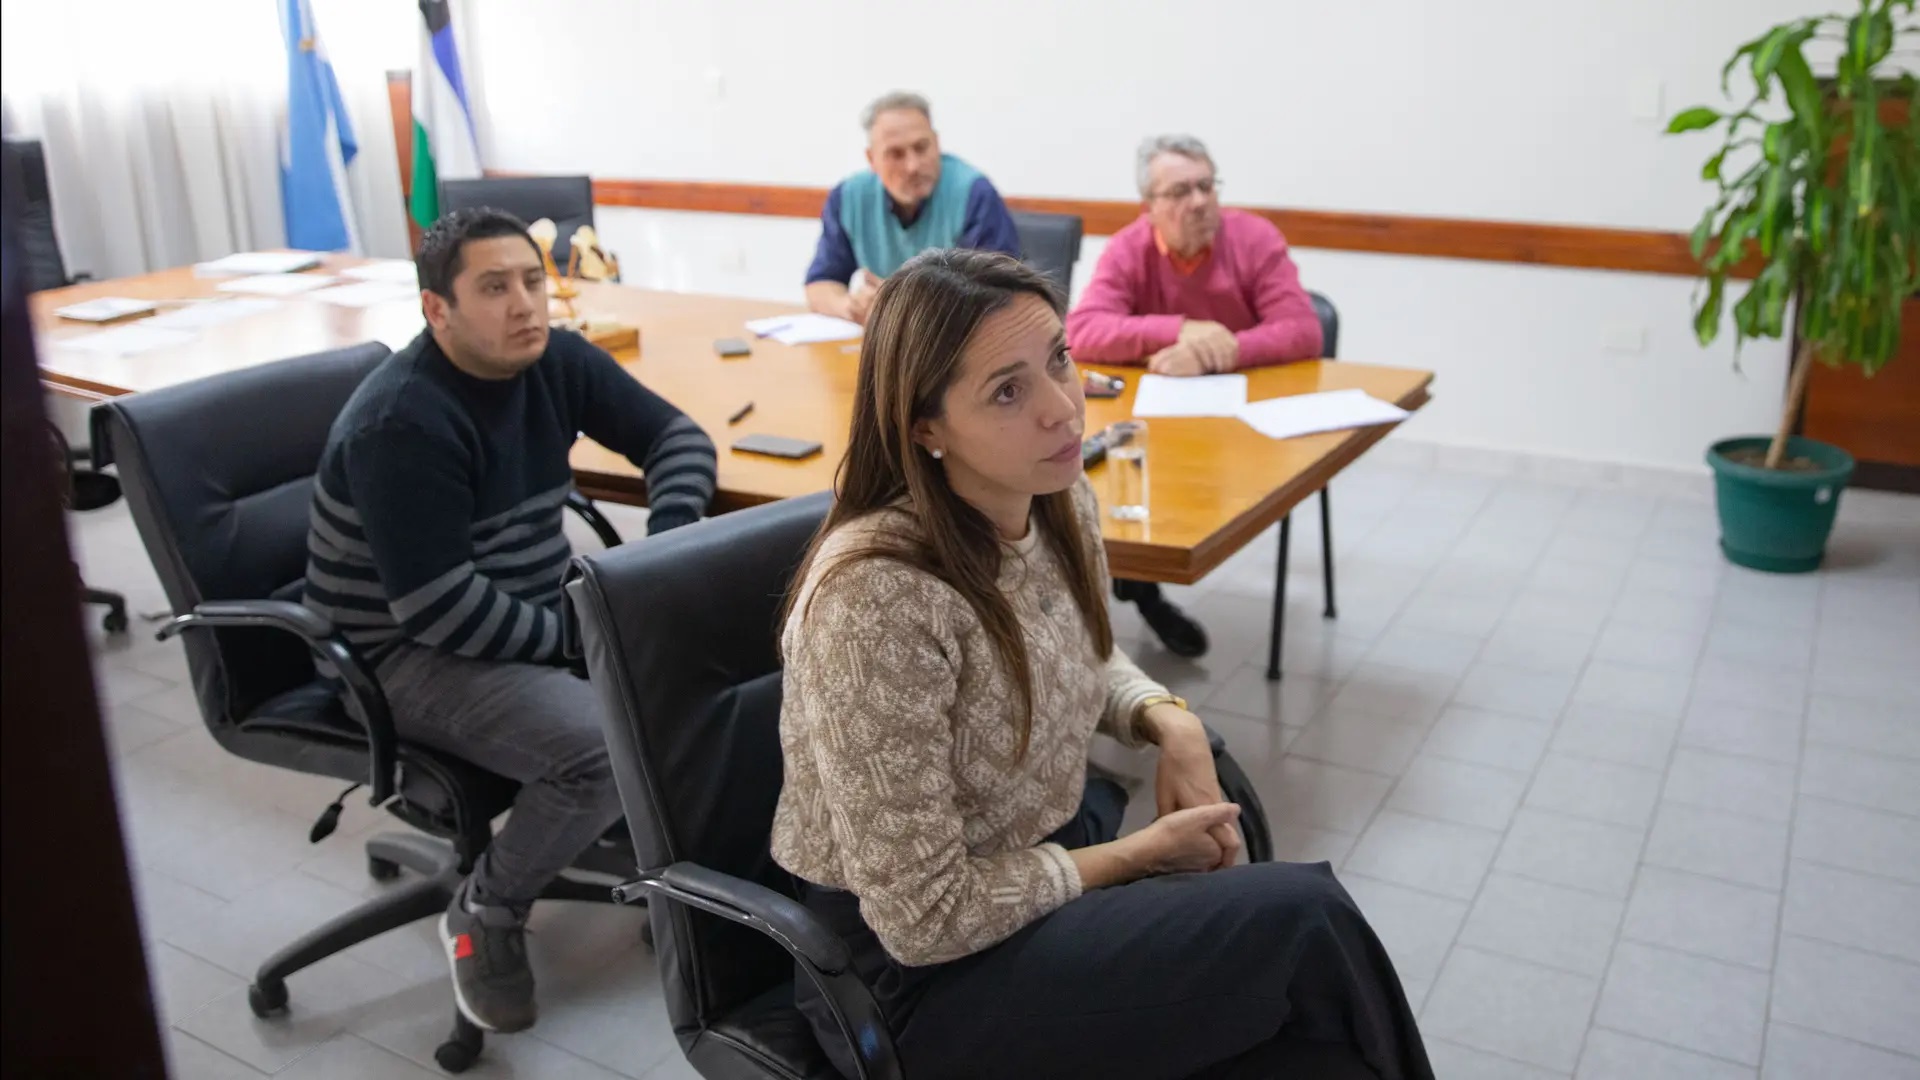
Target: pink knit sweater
x=1136 y=302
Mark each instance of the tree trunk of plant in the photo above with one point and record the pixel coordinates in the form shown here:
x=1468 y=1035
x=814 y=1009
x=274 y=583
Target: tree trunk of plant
x=1796 y=395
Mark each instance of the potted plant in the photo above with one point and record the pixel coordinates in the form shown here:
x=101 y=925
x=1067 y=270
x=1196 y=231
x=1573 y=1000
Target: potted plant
x=1819 y=190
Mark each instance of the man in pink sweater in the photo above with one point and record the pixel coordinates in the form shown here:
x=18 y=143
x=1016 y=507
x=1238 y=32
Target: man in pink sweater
x=1189 y=288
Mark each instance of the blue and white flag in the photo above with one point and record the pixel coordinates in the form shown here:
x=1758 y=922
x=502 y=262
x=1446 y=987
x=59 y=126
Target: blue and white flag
x=318 y=142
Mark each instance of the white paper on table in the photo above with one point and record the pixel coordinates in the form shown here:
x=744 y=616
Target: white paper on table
x=125 y=340
x=398 y=271
x=104 y=309
x=1200 y=395
x=204 y=313
x=1308 y=414
x=260 y=262
x=366 y=293
x=277 y=284
x=804 y=329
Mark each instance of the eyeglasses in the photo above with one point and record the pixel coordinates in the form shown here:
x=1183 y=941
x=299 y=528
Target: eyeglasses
x=1179 y=192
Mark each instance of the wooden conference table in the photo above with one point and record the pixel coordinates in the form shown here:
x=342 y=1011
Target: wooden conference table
x=1216 y=483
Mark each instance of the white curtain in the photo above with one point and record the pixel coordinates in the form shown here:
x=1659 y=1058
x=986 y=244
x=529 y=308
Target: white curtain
x=161 y=122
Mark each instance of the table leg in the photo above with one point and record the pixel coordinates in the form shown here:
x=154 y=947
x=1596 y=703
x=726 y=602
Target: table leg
x=1326 y=549
x=1279 y=601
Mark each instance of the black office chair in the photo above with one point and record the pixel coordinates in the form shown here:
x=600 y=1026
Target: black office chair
x=1329 y=348
x=680 y=637
x=568 y=200
x=45 y=268
x=1050 y=244
x=219 y=475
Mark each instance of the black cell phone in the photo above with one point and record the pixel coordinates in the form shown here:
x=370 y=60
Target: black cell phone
x=776 y=446
x=732 y=346
x=1093 y=451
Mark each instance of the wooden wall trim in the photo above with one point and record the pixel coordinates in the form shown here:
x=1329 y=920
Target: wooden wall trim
x=1638 y=251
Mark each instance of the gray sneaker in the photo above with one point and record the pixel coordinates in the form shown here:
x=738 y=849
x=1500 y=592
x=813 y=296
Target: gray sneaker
x=487 y=949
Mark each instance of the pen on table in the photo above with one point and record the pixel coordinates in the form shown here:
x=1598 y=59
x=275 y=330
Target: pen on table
x=741 y=415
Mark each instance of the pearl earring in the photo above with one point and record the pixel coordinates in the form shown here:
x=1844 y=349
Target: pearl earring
x=937 y=453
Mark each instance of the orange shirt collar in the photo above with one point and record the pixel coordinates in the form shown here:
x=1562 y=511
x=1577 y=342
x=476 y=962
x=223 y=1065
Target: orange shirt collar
x=1181 y=266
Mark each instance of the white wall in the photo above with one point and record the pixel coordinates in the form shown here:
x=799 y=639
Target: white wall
x=1527 y=110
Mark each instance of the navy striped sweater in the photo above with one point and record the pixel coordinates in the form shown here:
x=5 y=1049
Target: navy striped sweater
x=436 y=510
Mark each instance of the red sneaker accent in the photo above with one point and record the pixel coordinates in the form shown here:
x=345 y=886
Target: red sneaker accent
x=462 y=946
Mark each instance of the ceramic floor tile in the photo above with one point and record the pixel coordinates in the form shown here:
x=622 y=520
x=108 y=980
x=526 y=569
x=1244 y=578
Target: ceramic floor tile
x=1737 y=785
x=1659 y=693
x=1743 y=850
x=1622 y=736
x=1796 y=1053
x=1743 y=729
x=1450 y=1059
x=1868 y=726
x=1596 y=790
x=1483 y=737
x=1685 y=1001
x=1459 y=792
x=1411 y=697
x=1862 y=911
x=1855 y=838
x=1579 y=854
x=1653 y=648
x=1302 y=792
x=1547 y=924
x=1436 y=856
x=1514 y=1009
x=1845 y=992
x=1706 y=916
x=1417 y=927
x=1864 y=779
x=1359 y=740
x=1515 y=691
x=1611 y=1055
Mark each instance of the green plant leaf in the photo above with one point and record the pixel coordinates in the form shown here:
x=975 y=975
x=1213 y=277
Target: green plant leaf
x=1767 y=57
x=1706 y=320
x=1803 y=94
x=1693 y=119
x=1711 y=170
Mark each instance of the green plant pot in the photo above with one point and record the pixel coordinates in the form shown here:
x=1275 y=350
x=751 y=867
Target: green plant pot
x=1773 y=519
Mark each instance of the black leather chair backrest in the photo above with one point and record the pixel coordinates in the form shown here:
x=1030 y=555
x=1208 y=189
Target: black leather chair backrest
x=219 y=475
x=39 y=243
x=568 y=200
x=681 y=635
x=1329 y=325
x=1051 y=245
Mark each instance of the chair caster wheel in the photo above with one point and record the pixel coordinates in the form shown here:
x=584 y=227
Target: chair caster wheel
x=462 y=1048
x=114 y=622
x=267 y=998
x=380 y=869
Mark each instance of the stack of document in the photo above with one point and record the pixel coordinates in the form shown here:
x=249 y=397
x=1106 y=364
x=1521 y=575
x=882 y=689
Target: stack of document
x=1201 y=395
x=807 y=329
x=277 y=284
x=398 y=271
x=204 y=313
x=260 y=262
x=104 y=309
x=1307 y=414
x=129 y=339
x=367 y=293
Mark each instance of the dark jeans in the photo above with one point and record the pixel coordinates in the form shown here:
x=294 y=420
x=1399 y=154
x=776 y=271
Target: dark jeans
x=1257 y=971
x=1138 y=592
x=535 y=724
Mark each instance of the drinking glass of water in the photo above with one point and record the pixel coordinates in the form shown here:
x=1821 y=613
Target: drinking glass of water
x=1127 y=470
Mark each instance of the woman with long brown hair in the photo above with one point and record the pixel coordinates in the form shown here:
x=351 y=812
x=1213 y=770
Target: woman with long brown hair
x=948 y=659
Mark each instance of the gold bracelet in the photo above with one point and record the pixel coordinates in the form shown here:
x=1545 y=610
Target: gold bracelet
x=1163 y=699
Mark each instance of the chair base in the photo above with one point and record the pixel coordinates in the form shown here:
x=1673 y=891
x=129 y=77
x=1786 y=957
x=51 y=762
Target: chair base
x=438 y=865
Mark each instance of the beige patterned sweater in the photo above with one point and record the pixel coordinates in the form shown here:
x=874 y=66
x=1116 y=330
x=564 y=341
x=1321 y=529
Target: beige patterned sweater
x=903 y=780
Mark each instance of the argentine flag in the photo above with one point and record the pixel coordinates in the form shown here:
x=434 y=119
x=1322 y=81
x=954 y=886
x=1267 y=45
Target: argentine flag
x=317 y=144
x=444 y=147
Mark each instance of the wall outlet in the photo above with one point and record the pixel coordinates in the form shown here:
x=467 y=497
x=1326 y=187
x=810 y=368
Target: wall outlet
x=1627 y=339
x=716 y=83
x=735 y=261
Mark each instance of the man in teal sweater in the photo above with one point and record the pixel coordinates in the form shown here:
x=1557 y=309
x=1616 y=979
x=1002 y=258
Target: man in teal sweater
x=911 y=199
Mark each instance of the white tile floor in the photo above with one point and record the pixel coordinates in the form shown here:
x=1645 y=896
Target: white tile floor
x=1617 y=808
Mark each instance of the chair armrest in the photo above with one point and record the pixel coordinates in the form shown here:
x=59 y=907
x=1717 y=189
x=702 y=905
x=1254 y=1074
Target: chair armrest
x=597 y=521
x=1238 y=788
x=820 y=951
x=366 y=701
x=751 y=904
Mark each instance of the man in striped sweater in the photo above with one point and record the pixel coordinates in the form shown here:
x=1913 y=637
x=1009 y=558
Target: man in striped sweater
x=436 y=548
